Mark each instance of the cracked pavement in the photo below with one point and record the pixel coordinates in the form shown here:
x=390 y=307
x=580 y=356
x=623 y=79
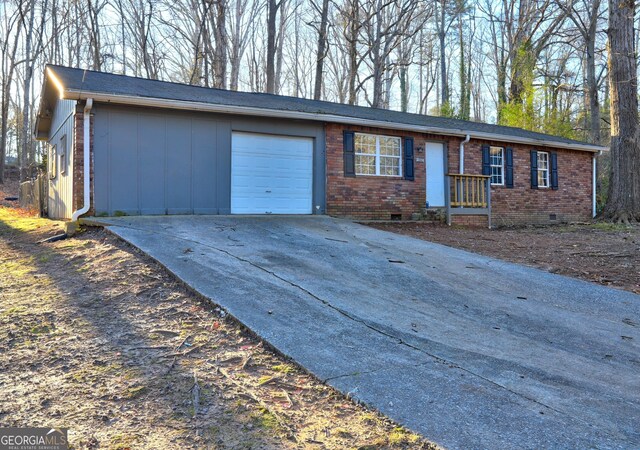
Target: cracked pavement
x=469 y=351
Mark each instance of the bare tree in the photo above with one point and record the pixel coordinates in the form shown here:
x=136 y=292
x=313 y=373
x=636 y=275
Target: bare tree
x=322 y=47
x=12 y=30
x=25 y=135
x=623 y=202
x=585 y=17
x=244 y=14
x=272 y=15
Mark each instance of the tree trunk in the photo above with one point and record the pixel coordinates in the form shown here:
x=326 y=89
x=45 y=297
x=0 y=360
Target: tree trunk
x=623 y=202
x=271 y=45
x=592 y=80
x=322 y=46
x=7 y=79
x=220 y=49
x=25 y=134
x=404 y=95
x=280 y=46
x=444 y=82
x=352 y=42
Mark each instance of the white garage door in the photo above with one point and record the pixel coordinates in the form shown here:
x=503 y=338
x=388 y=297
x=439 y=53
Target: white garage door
x=271 y=174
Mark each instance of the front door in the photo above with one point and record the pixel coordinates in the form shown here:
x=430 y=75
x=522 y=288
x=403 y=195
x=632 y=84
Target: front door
x=434 y=161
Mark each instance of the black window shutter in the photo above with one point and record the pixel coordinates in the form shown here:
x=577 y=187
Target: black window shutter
x=534 y=169
x=408 y=159
x=349 y=144
x=508 y=178
x=486 y=162
x=554 y=170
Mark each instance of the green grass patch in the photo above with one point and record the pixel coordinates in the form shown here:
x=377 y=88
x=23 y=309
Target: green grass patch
x=284 y=368
x=17 y=221
x=610 y=226
x=135 y=392
x=14 y=311
x=265 y=419
x=400 y=436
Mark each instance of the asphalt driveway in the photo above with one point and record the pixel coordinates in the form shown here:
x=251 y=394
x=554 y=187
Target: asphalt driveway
x=469 y=351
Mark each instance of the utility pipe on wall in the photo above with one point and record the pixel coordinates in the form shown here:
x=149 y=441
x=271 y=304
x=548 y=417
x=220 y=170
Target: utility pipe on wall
x=466 y=140
x=86 y=144
x=595 y=184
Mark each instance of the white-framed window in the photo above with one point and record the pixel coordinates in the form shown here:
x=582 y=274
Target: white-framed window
x=63 y=155
x=543 y=169
x=496 y=161
x=378 y=155
x=52 y=161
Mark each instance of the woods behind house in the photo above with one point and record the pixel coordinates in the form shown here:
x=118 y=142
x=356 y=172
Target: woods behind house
x=536 y=64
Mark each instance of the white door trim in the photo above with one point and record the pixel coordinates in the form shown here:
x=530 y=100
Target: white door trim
x=434 y=161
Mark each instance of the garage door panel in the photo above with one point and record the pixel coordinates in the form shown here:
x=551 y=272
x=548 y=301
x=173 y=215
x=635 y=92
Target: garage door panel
x=271 y=174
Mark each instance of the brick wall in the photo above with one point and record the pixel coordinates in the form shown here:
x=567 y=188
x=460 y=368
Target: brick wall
x=572 y=201
x=78 y=160
x=371 y=197
x=474 y=221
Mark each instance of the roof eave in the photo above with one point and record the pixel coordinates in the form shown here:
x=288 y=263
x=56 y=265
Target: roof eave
x=73 y=94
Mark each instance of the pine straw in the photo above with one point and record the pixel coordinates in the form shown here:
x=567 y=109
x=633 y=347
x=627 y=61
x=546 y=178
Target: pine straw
x=603 y=253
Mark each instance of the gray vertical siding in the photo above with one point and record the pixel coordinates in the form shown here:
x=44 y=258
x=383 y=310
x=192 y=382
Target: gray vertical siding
x=171 y=162
x=60 y=201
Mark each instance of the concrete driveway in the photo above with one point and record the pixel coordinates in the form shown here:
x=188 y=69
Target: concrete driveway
x=469 y=351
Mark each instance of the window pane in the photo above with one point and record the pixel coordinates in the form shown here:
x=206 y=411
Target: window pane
x=543 y=169
x=496 y=156
x=366 y=144
x=542 y=178
x=389 y=146
x=389 y=166
x=543 y=160
x=496 y=161
x=365 y=165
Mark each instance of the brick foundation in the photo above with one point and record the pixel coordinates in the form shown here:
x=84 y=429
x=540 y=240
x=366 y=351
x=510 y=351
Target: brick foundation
x=473 y=221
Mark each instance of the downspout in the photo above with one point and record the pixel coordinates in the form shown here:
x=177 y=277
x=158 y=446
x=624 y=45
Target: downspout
x=466 y=141
x=594 y=184
x=86 y=144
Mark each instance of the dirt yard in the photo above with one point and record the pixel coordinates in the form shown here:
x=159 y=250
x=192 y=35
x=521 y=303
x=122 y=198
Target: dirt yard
x=602 y=253
x=97 y=338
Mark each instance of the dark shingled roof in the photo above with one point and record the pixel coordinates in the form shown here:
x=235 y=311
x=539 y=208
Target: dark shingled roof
x=89 y=81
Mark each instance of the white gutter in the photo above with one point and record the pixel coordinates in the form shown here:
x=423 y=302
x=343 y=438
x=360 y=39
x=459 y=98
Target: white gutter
x=466 y=140
x=73 y=94
x=594 y=184
x=86 y=144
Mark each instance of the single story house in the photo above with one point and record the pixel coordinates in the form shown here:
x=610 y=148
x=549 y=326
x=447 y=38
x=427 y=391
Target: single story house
x=120 y=145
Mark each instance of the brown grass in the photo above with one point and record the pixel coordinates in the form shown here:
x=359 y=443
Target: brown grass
x=97 y=338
